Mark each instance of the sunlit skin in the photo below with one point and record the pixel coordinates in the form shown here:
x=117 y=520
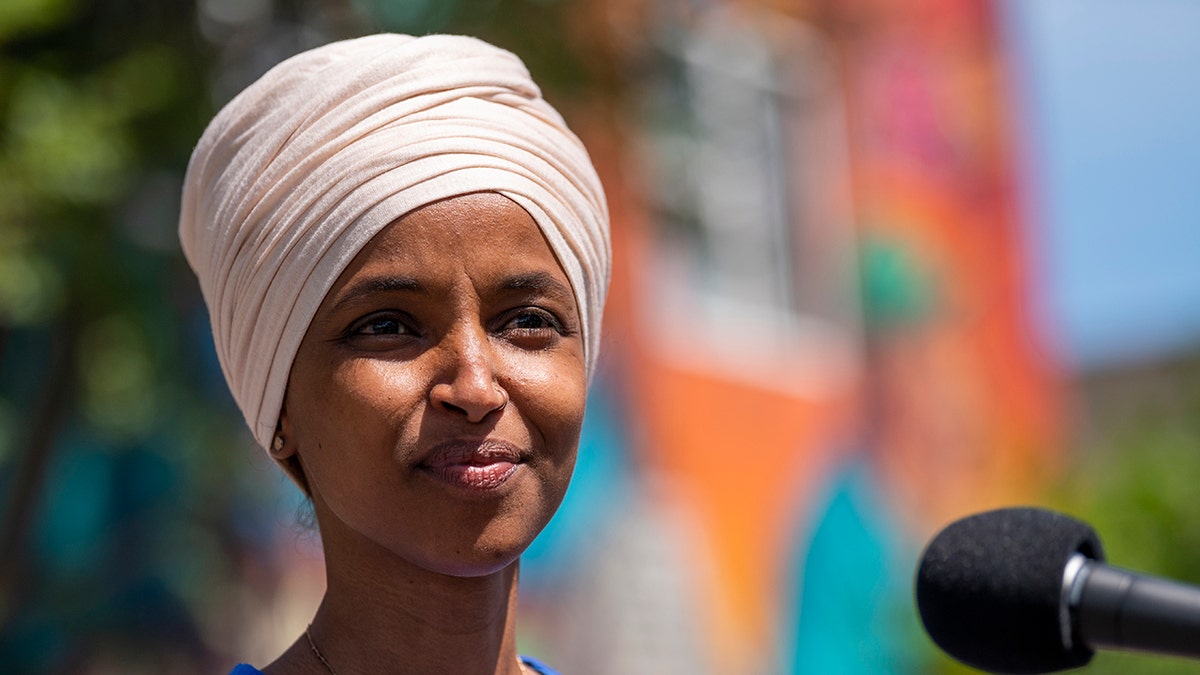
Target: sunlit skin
x=434 y=408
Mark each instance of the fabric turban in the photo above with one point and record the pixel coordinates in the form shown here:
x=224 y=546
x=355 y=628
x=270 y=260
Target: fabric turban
x=297 y=173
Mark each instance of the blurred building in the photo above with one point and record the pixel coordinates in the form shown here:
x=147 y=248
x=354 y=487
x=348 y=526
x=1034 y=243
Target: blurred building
x=818 y=345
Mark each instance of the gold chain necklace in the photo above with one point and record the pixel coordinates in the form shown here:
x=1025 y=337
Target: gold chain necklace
x=320 y=656
x=325 y=662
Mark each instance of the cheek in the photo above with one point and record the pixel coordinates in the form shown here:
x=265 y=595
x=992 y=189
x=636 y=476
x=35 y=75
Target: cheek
x=355 y=409
x=379 y=388
x=555 y=396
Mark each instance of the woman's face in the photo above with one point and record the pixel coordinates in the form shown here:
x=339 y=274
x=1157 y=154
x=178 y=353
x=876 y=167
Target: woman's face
x=436 y=401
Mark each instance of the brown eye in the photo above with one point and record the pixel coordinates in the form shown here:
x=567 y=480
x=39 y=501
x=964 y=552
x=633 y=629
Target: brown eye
x=534 y=320
x=381 y=324
x=382 y=327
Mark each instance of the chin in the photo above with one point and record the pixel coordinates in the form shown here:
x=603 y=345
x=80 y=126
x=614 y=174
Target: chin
x=480 y=565
x=481 y=549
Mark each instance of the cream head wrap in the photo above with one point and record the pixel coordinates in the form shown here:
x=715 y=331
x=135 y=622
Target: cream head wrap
x=297 y=173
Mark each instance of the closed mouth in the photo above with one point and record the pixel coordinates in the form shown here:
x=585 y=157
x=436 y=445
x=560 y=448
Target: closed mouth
x=473 y=464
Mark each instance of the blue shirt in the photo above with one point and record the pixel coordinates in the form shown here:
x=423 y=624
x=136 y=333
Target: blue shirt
x=537 y=666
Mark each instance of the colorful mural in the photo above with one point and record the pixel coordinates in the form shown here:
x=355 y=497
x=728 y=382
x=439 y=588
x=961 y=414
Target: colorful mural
x=818 y=344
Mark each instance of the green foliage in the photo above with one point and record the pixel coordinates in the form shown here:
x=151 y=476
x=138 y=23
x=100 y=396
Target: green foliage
x=1136 y=484
x=22 y=16
x=117 y=440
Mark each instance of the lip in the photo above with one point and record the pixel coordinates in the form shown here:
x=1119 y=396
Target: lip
x=480 y=465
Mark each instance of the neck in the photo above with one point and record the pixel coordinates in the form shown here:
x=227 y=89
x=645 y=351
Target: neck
x=387 y=616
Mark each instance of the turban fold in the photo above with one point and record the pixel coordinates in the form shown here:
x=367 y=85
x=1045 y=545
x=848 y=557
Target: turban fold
x=298 y=172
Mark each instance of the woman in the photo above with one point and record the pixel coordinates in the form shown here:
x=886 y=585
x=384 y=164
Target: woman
x=404 y=252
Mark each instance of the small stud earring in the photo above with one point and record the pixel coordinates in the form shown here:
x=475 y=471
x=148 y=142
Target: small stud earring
x=277 y=444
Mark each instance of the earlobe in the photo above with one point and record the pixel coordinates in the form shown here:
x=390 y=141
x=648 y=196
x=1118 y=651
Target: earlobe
x=280 y=448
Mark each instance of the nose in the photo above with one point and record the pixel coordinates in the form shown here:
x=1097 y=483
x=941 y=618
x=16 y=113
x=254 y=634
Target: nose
x=467 y=384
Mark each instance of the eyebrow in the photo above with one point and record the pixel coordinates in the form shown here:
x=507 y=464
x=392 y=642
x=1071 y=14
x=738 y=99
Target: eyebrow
x=541 y=282
x=374 y=285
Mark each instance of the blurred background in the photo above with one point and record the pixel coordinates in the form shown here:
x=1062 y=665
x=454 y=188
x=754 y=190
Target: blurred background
x=880 y=264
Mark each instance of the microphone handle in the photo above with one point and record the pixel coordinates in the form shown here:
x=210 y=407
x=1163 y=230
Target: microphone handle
x=1118 y=609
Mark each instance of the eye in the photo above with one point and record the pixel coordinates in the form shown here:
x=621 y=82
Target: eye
x=534 y=320
x=381 y=324
x=532 y=328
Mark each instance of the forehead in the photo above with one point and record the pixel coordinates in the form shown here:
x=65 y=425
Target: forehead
x=485 y=235
x=485 y=222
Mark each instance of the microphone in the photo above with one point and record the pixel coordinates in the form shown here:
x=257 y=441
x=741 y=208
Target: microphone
x=1026 y=590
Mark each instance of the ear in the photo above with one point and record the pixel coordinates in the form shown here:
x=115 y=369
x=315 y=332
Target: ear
x=284 y=451
x=282 y=445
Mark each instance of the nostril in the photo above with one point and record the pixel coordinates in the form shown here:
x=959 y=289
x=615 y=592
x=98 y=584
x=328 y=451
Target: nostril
x=453 y=408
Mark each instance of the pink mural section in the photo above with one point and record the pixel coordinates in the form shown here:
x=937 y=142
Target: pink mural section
x=971 y=410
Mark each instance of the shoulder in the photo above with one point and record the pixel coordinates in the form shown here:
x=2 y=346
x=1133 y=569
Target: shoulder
x=245 y=669
x=530 y=662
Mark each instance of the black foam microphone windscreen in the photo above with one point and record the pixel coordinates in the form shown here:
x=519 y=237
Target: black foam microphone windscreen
x=990 y=589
